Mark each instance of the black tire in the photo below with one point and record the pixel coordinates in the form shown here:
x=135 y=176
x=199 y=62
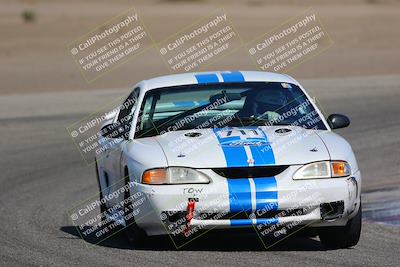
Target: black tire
x=133 y=233
x=344 y=236
x=103 y=207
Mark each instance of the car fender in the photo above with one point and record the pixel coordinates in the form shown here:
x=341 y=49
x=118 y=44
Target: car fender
x=140 y=155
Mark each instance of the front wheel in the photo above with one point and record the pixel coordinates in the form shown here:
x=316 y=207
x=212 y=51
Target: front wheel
x=103 y=207
x=134 y=234
x=343 y=236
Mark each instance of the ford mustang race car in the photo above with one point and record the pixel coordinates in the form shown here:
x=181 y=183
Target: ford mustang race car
x=190 y=152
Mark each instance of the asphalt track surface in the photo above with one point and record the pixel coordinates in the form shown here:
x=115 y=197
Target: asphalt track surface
x=43 y=176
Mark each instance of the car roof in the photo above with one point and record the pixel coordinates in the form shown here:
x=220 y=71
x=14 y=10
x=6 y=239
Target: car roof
x=214 y=77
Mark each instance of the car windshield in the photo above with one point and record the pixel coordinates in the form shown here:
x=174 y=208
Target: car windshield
x=225 y=105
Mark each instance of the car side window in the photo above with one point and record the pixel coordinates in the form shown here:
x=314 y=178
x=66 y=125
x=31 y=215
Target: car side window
x=127 y=108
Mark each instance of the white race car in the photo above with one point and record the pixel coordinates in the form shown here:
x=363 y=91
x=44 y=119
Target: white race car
x=190 y=152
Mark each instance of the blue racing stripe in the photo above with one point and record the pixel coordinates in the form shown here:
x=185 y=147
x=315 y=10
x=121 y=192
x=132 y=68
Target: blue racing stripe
x=263 y=154
x=206 y=78
x=270 y=221
x=241 y=222
x=235 y=76
x=239 y=189
x=239 y=195
x=266 y=193
x=235 y=156
x=249 y=222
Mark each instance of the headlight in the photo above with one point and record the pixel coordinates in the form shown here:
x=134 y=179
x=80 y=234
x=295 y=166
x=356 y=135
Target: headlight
x=323 y=169
x=174 y=175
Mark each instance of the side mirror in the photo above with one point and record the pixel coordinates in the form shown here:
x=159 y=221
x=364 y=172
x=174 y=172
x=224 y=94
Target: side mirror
x=337 y=121
x=113 y=130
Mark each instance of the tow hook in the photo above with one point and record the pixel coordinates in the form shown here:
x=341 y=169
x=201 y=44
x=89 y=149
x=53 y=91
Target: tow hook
x=189 y=213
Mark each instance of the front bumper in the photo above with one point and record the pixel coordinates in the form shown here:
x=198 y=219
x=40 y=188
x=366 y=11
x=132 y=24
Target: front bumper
x=313 y=203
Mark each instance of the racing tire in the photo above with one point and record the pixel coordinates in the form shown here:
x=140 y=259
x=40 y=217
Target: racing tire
x=344 y=236
x=135 y=236
x=103 y=207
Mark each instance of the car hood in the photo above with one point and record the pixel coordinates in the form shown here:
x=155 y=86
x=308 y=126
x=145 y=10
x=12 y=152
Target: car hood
x=242 y=147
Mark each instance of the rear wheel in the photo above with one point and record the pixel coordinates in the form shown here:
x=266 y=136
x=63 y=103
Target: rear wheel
x=344 y=236
x=134 y=234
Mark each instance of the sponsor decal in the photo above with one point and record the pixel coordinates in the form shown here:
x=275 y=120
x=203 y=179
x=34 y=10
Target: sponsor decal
x=246 y=142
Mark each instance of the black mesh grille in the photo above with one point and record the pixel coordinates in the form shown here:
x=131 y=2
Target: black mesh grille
x=250 y=172
x=257 y=215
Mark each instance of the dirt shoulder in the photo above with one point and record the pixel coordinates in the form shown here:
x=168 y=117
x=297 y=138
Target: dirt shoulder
x=34 y=56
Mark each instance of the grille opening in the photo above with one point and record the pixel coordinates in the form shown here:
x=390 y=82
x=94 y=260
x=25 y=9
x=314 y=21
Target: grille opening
x=250 y=172
x=248 y=214
x=332 y=210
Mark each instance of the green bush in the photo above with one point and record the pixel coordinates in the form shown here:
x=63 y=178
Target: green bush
x=28 y=16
